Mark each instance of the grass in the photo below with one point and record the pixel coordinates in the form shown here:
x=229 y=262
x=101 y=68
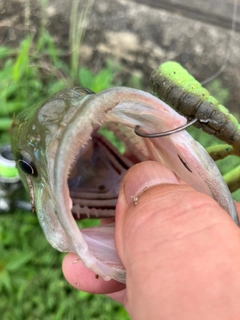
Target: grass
x=31 y=282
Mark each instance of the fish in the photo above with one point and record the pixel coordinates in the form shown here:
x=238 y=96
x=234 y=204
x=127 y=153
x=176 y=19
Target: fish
x=72 y=172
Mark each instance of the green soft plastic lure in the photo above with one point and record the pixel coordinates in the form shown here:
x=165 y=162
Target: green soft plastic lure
x=174 y=85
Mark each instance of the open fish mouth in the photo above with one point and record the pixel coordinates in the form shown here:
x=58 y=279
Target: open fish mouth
x=93 y=183
x=95 y=177
x=87 y=179
x=80 y=172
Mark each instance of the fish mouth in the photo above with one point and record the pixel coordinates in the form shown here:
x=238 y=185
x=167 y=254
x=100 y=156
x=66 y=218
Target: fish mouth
x=90 y=191
x=93 y=181
x=95 y=177
x=88 y=170
x=87 y=174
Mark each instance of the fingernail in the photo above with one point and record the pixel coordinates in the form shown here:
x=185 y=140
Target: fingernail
x=143 y=176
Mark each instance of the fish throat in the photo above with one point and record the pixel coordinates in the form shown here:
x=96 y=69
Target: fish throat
x=94 y=179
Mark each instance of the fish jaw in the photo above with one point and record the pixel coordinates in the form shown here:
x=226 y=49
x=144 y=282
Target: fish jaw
x=48 y=220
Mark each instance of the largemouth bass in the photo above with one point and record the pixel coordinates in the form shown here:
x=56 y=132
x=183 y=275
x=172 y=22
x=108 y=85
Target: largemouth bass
x=72 y=172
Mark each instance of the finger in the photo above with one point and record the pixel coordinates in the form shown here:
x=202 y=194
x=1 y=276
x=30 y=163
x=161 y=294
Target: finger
x=179 y=247
x=86 y=280
x=135 y=185
x=171 y=197
x=119 y=296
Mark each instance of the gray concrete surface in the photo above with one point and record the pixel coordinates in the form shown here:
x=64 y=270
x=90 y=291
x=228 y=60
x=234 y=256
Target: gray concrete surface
x=141 y=34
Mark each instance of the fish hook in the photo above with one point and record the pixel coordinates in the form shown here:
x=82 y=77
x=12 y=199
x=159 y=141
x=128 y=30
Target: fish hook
x=166 y=133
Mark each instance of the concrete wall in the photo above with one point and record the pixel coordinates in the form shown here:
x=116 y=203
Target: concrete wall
x=141 y=34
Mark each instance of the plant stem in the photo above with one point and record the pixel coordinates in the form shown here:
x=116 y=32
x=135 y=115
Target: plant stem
x=77 y=29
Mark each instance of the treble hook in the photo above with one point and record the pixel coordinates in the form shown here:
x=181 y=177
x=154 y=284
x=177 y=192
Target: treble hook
x=166 y=133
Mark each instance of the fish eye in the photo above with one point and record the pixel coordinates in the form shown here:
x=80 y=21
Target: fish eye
x=26 y=164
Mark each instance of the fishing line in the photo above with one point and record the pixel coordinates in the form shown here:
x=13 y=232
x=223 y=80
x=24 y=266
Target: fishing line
x=227 y=56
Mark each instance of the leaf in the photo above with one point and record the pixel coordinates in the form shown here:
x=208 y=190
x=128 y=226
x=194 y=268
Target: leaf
x=22 y=61
x=103 y=80
x=5 y=123
x=86 y=78
x=5 y=280
x=17 y=259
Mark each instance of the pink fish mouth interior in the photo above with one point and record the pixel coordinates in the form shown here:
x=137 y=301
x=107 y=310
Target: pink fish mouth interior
x=93 y=184
x=95 y=178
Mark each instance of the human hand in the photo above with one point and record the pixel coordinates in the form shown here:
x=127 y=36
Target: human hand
x=181 y=251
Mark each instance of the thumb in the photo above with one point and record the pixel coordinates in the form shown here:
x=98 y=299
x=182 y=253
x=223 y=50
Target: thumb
x=174 y=242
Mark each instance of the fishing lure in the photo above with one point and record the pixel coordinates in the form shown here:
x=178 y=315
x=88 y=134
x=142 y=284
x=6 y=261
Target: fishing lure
x=174 y=85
